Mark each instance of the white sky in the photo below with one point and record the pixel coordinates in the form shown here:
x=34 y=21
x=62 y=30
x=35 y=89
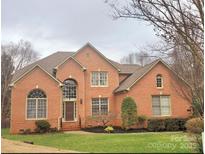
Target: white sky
x=66 y=25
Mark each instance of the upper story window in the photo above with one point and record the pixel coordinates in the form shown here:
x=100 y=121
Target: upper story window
x=159 y=81
x=69 y=89
x=99 y=79
x=36 y=104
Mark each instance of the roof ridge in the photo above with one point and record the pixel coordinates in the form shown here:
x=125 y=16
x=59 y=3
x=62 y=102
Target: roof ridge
x=65 y=51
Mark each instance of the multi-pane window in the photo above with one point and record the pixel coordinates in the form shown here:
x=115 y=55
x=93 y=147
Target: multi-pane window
x=69 y=89
x=99 y=106
x=159 y=81
x=95 y=79
x=99 y=79
x=161 y=105
x=36 y=104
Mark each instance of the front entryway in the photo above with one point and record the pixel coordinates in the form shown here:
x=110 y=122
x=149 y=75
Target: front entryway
x=70 y=110
x=70 y=119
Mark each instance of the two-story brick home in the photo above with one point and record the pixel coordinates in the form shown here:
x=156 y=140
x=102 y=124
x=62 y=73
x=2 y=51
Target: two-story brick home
x=67 y=87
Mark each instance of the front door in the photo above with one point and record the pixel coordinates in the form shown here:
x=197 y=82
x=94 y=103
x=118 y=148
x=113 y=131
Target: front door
x=69 y=111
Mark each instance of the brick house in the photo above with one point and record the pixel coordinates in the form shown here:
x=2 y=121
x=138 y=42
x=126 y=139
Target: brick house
x=67 y=87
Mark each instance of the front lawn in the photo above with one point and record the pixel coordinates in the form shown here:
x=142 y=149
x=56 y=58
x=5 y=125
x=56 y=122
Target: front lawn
x=137 y=142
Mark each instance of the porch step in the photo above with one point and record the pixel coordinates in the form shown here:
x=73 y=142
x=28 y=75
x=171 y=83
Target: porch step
x=70 y=126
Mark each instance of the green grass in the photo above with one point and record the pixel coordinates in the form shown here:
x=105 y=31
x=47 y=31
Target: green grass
x=173 y=142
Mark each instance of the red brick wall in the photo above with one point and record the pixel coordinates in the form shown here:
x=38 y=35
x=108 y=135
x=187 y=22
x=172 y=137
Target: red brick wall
x=94 y=62
x=19 y=94
x=72 y=70
x=143 y=90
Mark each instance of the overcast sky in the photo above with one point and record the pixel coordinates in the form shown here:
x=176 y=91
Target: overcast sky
x=66 y=25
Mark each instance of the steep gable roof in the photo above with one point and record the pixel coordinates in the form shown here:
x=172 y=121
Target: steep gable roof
x=69 y=58
x=47 y=63
x=141 y=72
x=134 y=77
x=56 y=59
x=32 y=68
x=97 y=51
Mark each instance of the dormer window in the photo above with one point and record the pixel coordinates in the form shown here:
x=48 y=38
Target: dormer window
x=159 y=81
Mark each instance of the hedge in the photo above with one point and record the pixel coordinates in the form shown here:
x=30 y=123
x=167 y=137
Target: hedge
x=166 y=124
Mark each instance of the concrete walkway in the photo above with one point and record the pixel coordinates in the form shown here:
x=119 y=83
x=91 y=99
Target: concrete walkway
x=8 y=146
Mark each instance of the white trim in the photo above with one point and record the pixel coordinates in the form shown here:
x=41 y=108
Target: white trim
x=162 y=81
x=74 y=112
x=89 y=44
x=26 y=118
x=170 y=110
x=99 y=106
x=70 y=57
x=25 y=73
x=96 y=86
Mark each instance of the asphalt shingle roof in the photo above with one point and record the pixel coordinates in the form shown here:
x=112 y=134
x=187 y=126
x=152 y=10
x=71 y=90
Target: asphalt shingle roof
x=126 y=84
x=47 y=63
x=50 y=62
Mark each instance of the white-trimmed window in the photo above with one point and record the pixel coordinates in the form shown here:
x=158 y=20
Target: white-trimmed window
x=161 y=105
x=36 y=105
x=99 y=79
x=69 y=89
x=159 y=81
x=99 y=106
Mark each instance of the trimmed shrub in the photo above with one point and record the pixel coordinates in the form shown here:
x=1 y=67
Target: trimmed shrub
x=181 y=123
x=141 y=118
x=109 y=129
x=53 y=130
x=25 y=131
x=156 y=125
x=171 y=125
x=129 y=112
x=42 y=126
x=195 y=125
x=167 y=124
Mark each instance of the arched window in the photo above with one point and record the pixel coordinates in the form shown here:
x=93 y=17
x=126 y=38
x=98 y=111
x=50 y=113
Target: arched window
x=36 y=104
x=159 y=81
x=69 y=89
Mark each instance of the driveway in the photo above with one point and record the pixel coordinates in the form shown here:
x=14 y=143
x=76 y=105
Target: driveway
x=8 y=146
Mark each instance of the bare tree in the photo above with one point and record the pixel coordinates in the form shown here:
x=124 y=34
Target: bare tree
x=141 y=58
x=172 y=21
x=180 y=24
x=21 y=53
x=13 y=57
x=7 y=68
x=103 y=120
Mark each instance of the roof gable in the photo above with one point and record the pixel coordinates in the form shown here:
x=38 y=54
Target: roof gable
x=140 y=73
x=56 y=59
x=31 y=69
x=47 y=63
x=98 y=52
x=71 y=58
